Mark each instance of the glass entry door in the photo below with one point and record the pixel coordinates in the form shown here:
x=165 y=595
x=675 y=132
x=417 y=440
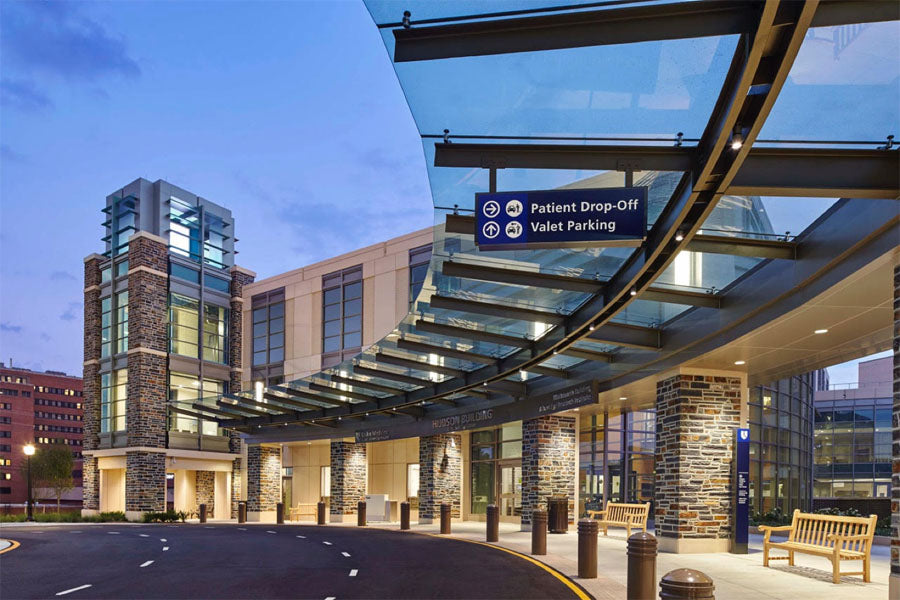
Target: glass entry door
x=510 y=490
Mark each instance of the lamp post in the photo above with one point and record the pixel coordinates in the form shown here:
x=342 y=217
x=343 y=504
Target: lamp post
x=29 y=511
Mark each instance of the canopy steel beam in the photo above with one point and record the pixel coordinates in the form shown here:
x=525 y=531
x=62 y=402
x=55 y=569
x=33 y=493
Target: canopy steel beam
x=367 y=384
x=307 y=396
x=548 y=371
x=243 y=408
x=592 y=355
x=670 y=296
x=423 y=348
x=521 y=277
x=611 y=26
x=392 y=376
x=190 y=413
x=417 y=365
x=291 y=402
x=514 y=388
x=631 y=336
x=219 y=411
x=472 y=334
x=355 y=395
x=496 y=310
x=720 y=244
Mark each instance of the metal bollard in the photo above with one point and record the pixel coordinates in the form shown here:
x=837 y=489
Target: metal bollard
x=203 y=513
x=361 y=513
x=242 y=512
x=445 y=517
x=320 y=513
x=404 y=515
x=493 y=523
x=587 y=548
x=686 y=584
x=641 y=566
x=539 y=532
x=279 y=513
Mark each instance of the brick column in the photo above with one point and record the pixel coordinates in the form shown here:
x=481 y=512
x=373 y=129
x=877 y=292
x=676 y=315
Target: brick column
x=91 y=385
x=145 y=408
x=239 y=278
x=696 y=417
x=205 y=491
x=440 y=475
x=549 y=463
x=263 y=482
x=895 y=455
x=348 y=478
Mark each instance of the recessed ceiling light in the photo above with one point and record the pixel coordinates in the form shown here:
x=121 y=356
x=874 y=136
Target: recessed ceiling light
x=740 y=362
x=819 y=331
x=623 y=398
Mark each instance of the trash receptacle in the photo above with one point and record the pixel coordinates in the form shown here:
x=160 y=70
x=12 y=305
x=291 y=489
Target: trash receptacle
x=558 y=514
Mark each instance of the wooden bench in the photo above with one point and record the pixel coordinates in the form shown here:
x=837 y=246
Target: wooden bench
x=629 y=516
x=303 y=510
x=835 y=538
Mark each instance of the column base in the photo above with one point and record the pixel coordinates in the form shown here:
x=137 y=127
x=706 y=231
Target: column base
x=134 y=515
x=89 y=512
x=894 y=587
x=693 y=545
x=262 y=516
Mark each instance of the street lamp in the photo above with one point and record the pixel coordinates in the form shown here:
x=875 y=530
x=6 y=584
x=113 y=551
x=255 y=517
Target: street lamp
x=29 y=511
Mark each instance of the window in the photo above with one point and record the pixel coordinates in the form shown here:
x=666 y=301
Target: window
x=5 y=490
x=418 y=269
x=5 y=448
x=5 y=462
x=412 y=480
x=122 y=224
x=342 y=311
x=214 y=328
x=325 y=481
x=186 y=390
x=122 y=268
x=5 y=434
x=214 y=240
x=217 y=283
x=113 y=397
x=184 y=316
x=184 y=229
x=182 y=272
x=106 y=275
x=105 y=326
x=122 y=322
x=268 y=327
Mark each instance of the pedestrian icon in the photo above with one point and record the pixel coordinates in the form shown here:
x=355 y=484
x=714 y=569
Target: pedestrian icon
x=491 y=209
x=513 y=229
x=514 y=208
x=491 y=229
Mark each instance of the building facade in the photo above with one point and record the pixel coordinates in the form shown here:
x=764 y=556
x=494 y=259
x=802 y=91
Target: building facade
x=40 y=408
x=162 y=340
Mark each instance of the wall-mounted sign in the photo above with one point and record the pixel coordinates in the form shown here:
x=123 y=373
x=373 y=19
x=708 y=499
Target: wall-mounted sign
x=741 y=490
x=561 y=218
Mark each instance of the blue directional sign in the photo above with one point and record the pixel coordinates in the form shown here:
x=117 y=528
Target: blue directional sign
x=741 y=490
x=561 y=218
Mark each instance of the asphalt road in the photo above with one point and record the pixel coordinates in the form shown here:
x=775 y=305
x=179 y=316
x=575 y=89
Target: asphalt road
x=260 y=561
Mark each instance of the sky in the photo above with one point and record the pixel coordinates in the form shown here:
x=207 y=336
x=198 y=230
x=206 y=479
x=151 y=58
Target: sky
x=290 y=114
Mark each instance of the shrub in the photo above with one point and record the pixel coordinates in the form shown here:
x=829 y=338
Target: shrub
x=169 y=516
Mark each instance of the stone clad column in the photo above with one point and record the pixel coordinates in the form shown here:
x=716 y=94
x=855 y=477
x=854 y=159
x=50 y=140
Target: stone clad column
x=239 y=278
x=205 y=491
x=696 y=418
x=549 y=463
x=91 y=385
x=349 y=469
x=263 y=482
x=440 y=475
x=895 y=454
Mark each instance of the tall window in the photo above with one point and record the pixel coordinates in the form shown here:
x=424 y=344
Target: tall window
x=214 y=328
x=341 y=314
x=186 y=390
x=122 y=224
x=268 y=328
x=418 y=269
x=113 y=397
x=184 y=317
x=184 y=229
x=213 y=240
x=122 y=322
x=106 y=326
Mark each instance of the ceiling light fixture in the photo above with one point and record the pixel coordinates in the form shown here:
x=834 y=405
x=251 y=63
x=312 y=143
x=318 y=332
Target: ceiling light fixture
x=623 y=397
x=634 y=291
x=737 y=138
x=592 y=327
x=820 y=331
x=679 y=236
x=740 y=362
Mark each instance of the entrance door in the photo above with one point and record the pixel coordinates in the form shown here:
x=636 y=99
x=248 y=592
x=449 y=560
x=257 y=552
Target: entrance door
x=510 y=490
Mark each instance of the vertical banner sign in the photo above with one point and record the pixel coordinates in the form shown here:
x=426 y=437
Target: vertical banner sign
x=561 y=218
x=742 y=491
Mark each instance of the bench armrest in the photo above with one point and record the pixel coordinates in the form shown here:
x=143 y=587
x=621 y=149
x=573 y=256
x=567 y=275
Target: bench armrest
x=768 y=529
x=593 y=514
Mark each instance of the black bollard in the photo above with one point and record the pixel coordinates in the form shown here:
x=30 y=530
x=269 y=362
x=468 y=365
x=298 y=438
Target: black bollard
x=242 y=512
x=641 y=566
x=493 y=523
x=445 y=517
x=279 y=513
x=587 y=548
x=539 y=532
x=320 y=513
x=361 y=513
x=203 y=513
x=686 y=584
x=404 y=515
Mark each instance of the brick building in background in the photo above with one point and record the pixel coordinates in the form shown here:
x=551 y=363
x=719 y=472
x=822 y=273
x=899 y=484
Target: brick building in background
x=40 y=408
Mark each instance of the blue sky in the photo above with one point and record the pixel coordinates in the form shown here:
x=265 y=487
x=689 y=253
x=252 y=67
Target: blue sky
x=290 y=114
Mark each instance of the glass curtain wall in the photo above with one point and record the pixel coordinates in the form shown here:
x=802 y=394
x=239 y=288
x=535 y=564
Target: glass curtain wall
x=496 y=470
x=113 y=397
x=184 y=391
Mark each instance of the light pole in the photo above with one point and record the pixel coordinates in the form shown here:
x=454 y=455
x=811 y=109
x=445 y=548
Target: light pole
x=29 y=511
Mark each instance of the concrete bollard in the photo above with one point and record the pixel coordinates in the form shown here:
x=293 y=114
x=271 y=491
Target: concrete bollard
x=641 y=566
x=445 y=517
x=203 y=513
x=493 y=523
x=686 y=584
x=242 y=512
x=279 y=513
x=361 y=513
x=587 y=548
x=404 y=515
x=539 y=532
x=320 y=513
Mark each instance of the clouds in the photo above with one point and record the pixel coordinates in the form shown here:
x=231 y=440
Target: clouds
x=7 y=327
x=73 y=311
x=61 y=276
x=22 y=94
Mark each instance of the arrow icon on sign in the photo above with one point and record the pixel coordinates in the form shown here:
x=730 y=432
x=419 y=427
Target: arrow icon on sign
x=490 y=230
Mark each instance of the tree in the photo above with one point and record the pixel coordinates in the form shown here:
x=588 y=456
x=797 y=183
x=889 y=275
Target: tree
x=51 y=468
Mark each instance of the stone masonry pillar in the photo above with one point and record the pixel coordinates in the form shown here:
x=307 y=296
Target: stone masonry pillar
x=696 y=418
x=91 y=382
x=239 y=278
x=895 y=454
x=205 y=491
x=440 y=475
x=348 y=478
x=145 y=409
x=263 y=482
x=549 y=463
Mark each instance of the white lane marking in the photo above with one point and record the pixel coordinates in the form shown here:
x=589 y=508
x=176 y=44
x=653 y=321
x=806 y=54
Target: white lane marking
x=165 y=548
x=353 y=572
x=330 y=598
x=327 y=543
x=74 y=532
x=208 y=527
x=146 y=564
x=302 y=537
x=80 y=587
x=162 y=539
x=113 y=532
x=143 y=535
x=347 y=554
x=271 y=532
x=242 y=529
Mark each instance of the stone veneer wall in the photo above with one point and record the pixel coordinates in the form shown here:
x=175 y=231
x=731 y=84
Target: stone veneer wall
x=696 y=418
x=205 y=491
x=348 y=476
x=263 y=478
x=90 y=482
x=239 y=279
x=145 y=482
x=91 y=383
x=895 y=454
x=440 y=475
x=549 y=462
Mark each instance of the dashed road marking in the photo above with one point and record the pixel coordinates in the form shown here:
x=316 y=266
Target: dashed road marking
x=302 y=537
x=143 y=535
x=146 y=564
x=242 y=529
x=162 y=539
x=347 y=554
x=74 y=532
x=327 y=543
x=353 y=572
x=165 y=548
x=75 y=589
x=271 y=532
x=113 y=532
x=208 y=527
x=330 y=598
